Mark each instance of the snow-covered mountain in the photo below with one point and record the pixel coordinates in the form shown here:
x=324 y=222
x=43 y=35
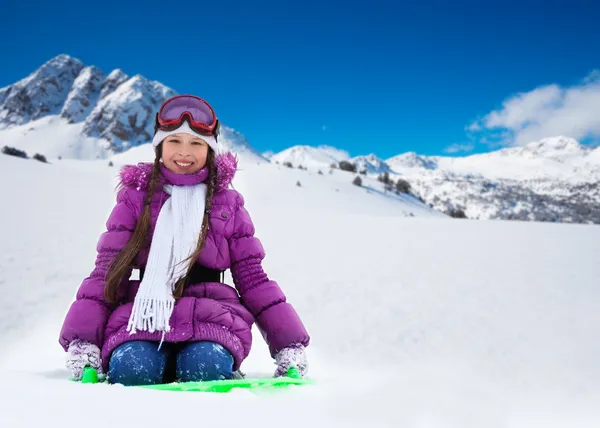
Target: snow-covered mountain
x=311 y=157
x=411 y=160
x=44 y=92
x=125 y=117
x=371 y=164
x=554 y=179
x=83 y=95
x=71 y=110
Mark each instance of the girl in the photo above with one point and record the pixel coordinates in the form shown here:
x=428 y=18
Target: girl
x=178 y=222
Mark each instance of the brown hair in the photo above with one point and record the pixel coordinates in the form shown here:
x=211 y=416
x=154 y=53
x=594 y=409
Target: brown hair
x=124 y=260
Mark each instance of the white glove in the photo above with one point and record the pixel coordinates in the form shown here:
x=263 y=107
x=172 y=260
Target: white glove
x=81 y=354
x=293 y=355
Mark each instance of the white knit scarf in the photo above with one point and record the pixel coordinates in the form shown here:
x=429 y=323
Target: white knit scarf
x=175 y=238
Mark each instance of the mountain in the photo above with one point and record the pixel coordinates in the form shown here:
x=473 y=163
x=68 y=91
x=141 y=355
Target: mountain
x=560 y=158
x=371 y=164
x=69 y=110
x=311 y=157
x=83 y=95
x=555 y=179
x=411 y=160
x=44 y=92
x=125 y=116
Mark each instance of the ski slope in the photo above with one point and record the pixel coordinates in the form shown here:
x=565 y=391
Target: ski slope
x=417 y=319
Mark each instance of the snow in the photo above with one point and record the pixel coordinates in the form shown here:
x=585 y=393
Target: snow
x=41 y=93
x=421 y=321
x=83 y=95
x=52 y=137
x=112 y=82
x=411 y=160
x=556 y=158
x=310 y=157
x=371 y=163
x=126 y=115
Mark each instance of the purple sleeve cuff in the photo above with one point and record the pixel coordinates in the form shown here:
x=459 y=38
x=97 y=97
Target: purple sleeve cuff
x=281 y=327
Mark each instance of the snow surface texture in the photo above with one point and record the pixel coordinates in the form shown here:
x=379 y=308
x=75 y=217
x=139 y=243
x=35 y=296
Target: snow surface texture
x=421 y=321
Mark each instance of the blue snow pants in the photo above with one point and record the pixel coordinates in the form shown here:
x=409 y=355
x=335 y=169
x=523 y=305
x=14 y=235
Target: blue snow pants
x=142 y=363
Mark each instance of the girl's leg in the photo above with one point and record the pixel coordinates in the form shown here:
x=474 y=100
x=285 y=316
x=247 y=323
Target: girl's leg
x=137 y=363
x=202 y=361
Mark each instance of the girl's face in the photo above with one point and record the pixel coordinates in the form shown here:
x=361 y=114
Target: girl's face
x=184 y=153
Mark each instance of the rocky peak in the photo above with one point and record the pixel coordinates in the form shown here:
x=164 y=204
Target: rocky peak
x=83 y=95
x=41 y=93
x=125 y=117
x=112 y=81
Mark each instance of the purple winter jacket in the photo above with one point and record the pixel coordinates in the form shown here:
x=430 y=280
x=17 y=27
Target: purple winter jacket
x=210 y=311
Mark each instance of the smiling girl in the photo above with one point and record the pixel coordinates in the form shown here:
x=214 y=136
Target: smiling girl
x=180 y=224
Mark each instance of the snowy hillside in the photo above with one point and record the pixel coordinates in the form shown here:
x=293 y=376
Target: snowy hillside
x=421 y=321
x=69 y=110
x=555 y=179
x=53 y=137
x=560 y=158
x=310 y=157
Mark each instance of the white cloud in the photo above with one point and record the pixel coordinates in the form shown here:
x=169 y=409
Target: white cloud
x=546 y=111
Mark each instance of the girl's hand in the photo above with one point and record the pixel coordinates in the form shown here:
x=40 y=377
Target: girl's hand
x=81 y=354
x=293 y=355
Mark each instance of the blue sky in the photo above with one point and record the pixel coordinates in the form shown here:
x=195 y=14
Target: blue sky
x=377 y=76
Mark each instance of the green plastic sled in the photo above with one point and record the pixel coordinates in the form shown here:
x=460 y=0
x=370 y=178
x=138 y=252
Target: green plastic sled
x=293 y=377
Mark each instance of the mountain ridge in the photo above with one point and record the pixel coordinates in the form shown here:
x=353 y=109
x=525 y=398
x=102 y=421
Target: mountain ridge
x=68 y=109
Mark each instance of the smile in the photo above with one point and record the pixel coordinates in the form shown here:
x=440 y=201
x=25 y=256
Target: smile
x=183 y=164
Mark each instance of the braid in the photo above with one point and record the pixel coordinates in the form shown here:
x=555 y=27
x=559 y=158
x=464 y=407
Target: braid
x=124 y=260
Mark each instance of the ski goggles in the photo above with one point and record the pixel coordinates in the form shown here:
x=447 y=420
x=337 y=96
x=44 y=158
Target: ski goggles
x=199 y=114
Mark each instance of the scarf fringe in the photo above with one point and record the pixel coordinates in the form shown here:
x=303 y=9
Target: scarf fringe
x=151 y=314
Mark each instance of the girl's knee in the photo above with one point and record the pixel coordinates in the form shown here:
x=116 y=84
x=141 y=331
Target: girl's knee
x=202 y=361
x=137 y=363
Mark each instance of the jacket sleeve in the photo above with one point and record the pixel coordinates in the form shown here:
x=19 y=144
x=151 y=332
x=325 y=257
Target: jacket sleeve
x=276 y=319
x=88 y=314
